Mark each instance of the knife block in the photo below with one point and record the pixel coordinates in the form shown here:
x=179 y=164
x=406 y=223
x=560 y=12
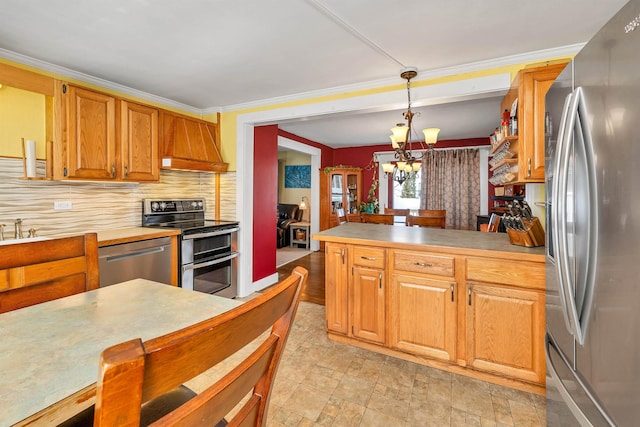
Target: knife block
x=532 y=236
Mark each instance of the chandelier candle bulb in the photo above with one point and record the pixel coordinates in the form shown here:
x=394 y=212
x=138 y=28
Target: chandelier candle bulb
x=431 y=136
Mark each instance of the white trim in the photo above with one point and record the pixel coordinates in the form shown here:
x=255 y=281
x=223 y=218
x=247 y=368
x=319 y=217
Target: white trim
x=263 y=283
x=315 y=154
x=245 y=142
x=484 y=179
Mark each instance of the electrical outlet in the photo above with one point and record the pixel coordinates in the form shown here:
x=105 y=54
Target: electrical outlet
x=62 y=205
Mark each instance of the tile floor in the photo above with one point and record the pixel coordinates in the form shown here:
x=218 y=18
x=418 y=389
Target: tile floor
x=324 y=383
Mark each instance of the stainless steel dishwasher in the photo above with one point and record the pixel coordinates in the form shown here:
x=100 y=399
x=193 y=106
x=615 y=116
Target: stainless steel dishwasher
x=146 y=259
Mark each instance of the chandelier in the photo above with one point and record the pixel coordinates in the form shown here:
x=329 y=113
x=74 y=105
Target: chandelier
x=407 y=164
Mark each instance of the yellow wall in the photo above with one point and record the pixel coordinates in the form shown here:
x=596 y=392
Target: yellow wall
x=22 y=115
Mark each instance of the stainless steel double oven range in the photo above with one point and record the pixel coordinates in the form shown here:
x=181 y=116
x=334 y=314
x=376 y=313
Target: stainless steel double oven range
x=208 y=248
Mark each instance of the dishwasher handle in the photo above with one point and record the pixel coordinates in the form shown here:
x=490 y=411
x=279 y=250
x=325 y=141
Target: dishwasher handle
x=150 y=251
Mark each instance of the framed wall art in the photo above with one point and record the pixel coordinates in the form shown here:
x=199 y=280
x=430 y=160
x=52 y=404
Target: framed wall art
x=297 y=176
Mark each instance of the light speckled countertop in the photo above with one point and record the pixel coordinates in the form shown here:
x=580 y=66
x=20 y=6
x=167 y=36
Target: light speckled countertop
x=431 y=239
x=132 y=234
x=50 y=351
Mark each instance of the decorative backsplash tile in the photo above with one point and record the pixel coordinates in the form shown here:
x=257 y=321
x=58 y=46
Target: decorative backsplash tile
x=96 y=205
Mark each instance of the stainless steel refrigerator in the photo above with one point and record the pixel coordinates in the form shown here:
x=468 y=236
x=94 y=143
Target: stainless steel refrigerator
x=593 y=231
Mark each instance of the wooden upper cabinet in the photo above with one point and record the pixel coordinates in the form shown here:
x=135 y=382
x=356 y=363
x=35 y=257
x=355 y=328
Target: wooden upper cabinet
x=191 y=144
x=89 y=125
x=530 y=87
x=102 y=137
x=139 y=142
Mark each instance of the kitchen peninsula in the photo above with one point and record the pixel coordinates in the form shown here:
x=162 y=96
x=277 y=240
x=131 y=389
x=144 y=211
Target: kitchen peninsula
x=463 y=301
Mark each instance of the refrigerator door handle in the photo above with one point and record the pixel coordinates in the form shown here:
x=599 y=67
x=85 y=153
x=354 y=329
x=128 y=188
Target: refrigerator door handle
x=587 y=286
x=577 y=112
x=557 y=206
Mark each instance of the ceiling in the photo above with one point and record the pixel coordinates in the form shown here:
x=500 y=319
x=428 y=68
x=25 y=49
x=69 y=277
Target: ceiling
x=220 y=55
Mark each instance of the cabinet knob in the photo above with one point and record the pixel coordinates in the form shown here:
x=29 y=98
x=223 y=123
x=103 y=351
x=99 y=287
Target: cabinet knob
x=113 y=170
x=126 y=171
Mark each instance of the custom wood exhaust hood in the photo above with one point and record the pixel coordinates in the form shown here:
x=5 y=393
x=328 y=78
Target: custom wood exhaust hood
x=189 y=144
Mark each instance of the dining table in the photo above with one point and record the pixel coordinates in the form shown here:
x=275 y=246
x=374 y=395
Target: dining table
x=50 y=352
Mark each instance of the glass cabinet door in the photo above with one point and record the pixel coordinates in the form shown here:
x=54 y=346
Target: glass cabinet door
x=337 y=191
x=352 y=193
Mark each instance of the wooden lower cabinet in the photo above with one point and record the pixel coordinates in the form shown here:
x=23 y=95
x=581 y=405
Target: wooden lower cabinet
x=367 y=304
x=505 y=329
x=336 y=279
x=479 y=316
x=423 y=316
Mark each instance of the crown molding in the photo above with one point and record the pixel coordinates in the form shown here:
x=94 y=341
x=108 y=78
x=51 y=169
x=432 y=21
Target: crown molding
x=86 y=78
x=539 y=55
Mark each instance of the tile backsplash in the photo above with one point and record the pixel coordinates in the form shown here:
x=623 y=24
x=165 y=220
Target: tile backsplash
x=97 y=205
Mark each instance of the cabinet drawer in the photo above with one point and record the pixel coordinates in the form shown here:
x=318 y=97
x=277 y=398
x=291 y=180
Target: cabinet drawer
x=524 y=274
x=418 y=262
x=368 y=257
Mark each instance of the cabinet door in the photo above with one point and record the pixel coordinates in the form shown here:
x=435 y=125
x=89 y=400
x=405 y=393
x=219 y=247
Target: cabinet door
x=536 y=86
x=505 y=329
x=423 y=316
x=352 y=191
x=367 y=304
x=91 y=134
x=139 y=142
x=336 y=287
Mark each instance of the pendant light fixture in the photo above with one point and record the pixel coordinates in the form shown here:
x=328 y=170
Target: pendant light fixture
x=407 y=164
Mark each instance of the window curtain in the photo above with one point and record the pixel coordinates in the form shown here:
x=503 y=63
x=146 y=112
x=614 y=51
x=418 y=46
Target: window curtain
x=451 y=181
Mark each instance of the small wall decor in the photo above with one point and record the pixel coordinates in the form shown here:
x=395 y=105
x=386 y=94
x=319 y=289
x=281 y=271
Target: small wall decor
x=298 y=176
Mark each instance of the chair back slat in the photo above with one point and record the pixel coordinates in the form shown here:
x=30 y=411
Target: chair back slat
x=397 y=212
x=428 y=218
x=378 y=218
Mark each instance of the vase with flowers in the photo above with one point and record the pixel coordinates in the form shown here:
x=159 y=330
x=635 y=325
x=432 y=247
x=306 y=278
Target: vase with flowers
x=371 y=204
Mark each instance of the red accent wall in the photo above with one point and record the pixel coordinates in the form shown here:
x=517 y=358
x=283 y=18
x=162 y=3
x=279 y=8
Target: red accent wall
x=326 y=153
x=265 y=200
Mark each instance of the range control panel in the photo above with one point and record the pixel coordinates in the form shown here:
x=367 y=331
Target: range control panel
x=173 y=206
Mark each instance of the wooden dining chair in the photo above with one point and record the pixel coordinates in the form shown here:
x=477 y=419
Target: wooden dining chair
x=140 y=382
x=378 y=218
x=494 y=223
x=39 y=271
x=342 y=218
x=396 y=212
x=429 y=219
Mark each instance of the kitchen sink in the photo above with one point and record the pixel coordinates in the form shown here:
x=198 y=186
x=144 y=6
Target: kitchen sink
x=25 y=240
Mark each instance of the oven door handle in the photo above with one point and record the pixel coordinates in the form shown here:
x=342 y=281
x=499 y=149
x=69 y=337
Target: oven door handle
x=210 y=234
x=209 y=263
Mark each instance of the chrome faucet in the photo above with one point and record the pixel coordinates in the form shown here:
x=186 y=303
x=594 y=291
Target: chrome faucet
x=2 y=232
x=18 y=229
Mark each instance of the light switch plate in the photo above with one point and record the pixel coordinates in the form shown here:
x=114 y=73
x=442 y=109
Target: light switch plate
x=62 y=205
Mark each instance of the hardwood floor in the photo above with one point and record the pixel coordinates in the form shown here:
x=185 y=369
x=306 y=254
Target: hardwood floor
x=314 y=263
